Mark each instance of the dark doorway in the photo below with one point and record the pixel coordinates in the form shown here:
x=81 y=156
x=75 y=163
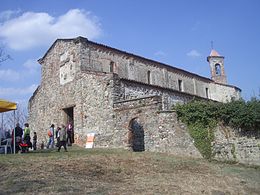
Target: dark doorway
x=136 y=138
x=69 y=119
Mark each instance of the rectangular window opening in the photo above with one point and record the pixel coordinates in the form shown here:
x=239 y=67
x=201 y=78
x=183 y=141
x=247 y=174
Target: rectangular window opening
x=149 y=77
x=111 y=68
x=207 y=92
x=180 y=85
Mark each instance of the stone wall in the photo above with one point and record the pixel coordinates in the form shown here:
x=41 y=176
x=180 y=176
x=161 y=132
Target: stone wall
x=223 y=93
x=235 y=145
x=98 y=57
x=92 y=104
x=136 y=69
x=87 y=93
x=162 y=131
x=94 y=83
x=127 y=89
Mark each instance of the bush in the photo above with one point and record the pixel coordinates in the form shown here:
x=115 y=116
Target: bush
x=241 y=114
x=201 y=118
x=202 y=137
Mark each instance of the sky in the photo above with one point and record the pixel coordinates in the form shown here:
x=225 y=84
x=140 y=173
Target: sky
x=176 y=32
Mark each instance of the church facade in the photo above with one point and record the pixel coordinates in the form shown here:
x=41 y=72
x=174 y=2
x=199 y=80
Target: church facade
x=119 y=95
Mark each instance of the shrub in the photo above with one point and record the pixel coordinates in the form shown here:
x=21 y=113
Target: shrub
x=201 y=118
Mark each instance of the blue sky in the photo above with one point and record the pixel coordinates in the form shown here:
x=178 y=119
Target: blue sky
x=175 y=32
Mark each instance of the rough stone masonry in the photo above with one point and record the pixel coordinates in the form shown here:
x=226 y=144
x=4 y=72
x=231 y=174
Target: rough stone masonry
x=122 y=97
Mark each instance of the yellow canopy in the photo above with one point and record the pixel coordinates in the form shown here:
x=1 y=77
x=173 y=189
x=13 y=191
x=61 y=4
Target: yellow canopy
x=6 y=106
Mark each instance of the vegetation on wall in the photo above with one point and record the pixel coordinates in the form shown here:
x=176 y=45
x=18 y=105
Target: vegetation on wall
x=201 y=118
x=241 y=114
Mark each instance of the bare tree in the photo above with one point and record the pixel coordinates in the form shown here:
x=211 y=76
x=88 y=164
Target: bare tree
x=9 y=119
x=3 y=55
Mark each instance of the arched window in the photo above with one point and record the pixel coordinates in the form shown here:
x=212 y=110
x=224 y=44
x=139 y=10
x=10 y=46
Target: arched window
x=218 y=69
x=149 y=77
x=112 y=66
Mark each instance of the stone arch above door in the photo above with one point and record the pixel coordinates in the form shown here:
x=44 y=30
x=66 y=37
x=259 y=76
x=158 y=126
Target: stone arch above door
x=136 y=135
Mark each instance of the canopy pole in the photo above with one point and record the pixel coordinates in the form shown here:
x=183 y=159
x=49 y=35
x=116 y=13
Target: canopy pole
x=2 y=129
x=2 y=121
x=14 y=133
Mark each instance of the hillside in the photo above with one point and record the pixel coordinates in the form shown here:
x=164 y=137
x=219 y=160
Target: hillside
x=113 y=171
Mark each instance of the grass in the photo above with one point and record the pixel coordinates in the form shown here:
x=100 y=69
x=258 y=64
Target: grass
x=117 y=171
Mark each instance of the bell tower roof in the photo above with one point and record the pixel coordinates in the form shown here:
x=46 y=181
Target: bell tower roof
x=214 y=53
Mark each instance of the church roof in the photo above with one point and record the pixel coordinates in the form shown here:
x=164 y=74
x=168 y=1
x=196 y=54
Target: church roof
x=178 y=70
x=85 y=40
x=214 y=53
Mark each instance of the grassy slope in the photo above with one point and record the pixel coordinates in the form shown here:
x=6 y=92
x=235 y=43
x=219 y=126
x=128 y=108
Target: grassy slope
x=111 y=171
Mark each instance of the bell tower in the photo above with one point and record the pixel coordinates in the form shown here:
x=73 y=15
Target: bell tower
x=216 y=63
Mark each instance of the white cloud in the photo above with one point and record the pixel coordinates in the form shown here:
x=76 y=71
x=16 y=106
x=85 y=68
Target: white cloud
x=7 y=14
x=36 y=29
x=4 y=92
x=193 y=53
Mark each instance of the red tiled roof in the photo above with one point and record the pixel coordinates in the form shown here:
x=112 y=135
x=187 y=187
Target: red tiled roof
x=214 y=53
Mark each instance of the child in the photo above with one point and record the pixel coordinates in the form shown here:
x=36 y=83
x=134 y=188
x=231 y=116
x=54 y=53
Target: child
x=34 y=140
x=42 y=145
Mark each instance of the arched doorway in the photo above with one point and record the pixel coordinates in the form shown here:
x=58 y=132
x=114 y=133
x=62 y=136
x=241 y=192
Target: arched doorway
x=136 y=135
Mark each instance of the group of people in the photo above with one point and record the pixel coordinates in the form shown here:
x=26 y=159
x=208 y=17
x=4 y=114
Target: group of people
x=63 y=135
x=21 y=137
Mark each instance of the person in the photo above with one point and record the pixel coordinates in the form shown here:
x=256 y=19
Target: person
x=69 y=132
x=57 y=134
x=2 y=134
x=51 y=137
x=42 y=145
x=18 y=136
x=7 y=134
x=34 y=140
x=63 y=138
x=26 y=137
x=2 y=137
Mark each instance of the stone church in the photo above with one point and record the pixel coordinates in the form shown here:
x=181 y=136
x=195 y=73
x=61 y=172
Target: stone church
x=125 y=99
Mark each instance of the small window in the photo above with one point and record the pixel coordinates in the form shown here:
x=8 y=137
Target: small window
x=180 y=85
x=112 y=66
x=149 y=77
x=207 y=92
x=218 y=69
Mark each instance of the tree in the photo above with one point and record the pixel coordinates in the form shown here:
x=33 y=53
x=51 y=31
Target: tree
x=9 y=119
x=3 y=55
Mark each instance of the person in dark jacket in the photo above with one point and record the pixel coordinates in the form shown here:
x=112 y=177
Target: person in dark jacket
x=63 y=138
x=18 y=136
x=57 y=135
x=34 y=141
x=69 y=134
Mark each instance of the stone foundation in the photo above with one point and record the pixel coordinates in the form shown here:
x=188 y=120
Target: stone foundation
x=239 y=146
